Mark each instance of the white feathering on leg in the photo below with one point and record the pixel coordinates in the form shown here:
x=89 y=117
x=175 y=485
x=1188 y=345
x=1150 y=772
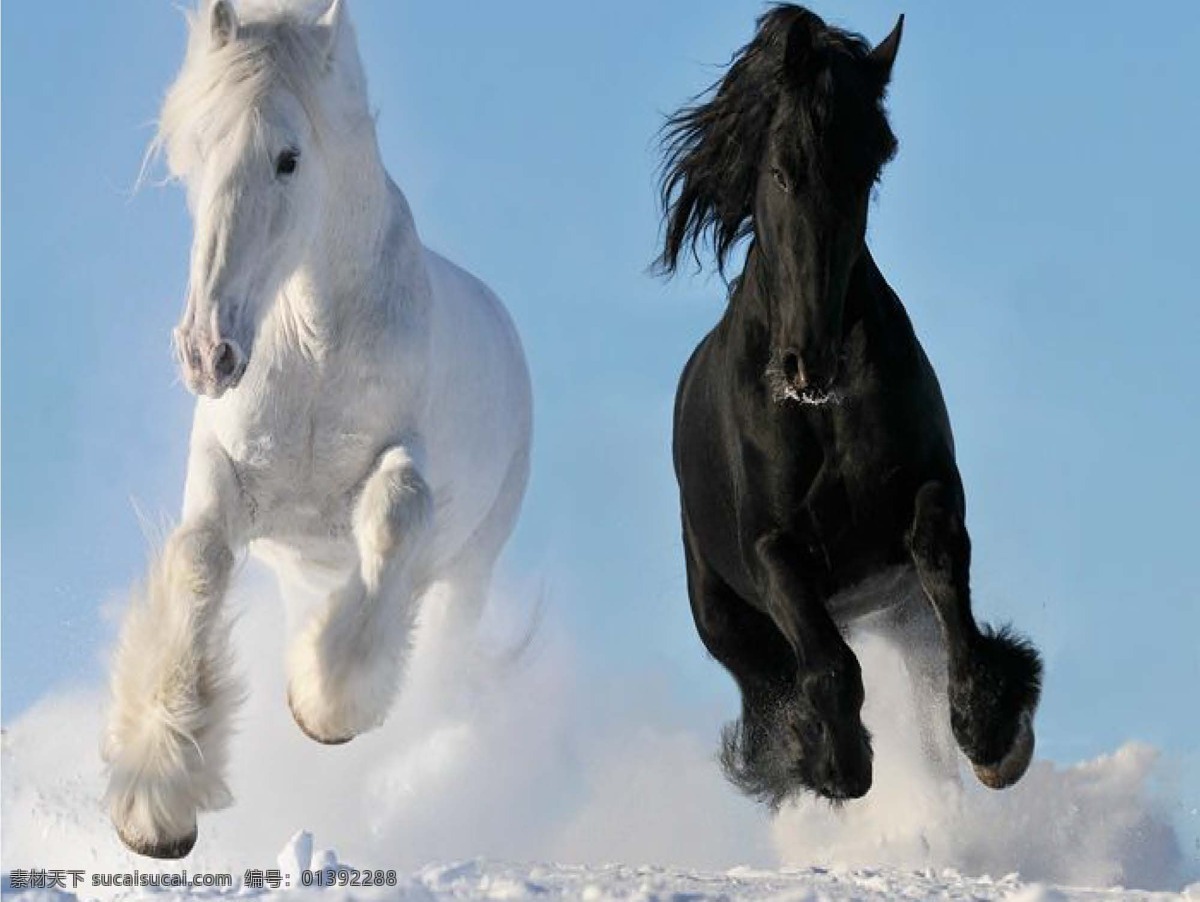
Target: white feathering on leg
x=173 y=696
x=346 y=664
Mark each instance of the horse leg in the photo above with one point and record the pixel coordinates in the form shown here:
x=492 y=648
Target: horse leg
x=467 y=577
x=345 y=665
x=994 y=676
x=757 y=750
x=769 y=753
x=828 y=707
x=173 y=694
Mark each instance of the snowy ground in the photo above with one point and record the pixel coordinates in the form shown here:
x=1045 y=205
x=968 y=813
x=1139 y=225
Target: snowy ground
x=493 y=880
x=539 y=762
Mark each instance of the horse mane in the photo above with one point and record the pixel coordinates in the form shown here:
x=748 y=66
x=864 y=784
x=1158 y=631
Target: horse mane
x=277 y=43
x=713 y=147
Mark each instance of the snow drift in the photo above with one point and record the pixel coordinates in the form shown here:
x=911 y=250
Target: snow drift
x=1103 y=822
x=534 y=760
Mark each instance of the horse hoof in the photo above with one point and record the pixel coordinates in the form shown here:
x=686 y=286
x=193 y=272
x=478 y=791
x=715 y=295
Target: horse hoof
x=1012 y=766
x=312 y=734
x=165 y=849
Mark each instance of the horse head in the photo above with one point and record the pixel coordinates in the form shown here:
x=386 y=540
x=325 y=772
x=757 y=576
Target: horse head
x=787 y=151
x=246 y=126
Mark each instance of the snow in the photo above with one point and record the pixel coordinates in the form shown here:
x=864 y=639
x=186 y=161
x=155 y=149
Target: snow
x=486 y=766
x=480 y=879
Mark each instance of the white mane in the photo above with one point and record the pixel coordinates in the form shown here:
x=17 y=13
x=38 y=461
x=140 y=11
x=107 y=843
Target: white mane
x=279 y=44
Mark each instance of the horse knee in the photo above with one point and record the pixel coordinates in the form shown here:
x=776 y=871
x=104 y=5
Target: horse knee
x=198 y=559
x=938 y=536
x=394 y=507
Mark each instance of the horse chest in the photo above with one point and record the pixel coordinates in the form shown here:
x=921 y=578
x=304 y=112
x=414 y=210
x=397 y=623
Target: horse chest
x=305 y=451
x=840 y=484
x=837 y=462
x=301 y=456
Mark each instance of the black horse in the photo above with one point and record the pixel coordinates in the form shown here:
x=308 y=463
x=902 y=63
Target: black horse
x=812 y=445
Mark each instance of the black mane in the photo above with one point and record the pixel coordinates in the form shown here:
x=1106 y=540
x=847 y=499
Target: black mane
x=713 y=149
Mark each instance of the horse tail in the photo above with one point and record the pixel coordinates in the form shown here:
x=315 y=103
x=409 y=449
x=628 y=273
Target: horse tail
x=510 y=655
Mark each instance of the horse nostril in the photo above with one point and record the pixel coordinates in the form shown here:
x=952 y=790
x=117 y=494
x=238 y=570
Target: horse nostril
x=793 y=371
x=226 y=360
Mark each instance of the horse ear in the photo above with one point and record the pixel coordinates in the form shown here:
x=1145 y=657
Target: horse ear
x=332 y=20
x=800 y=58
x=884 y=55
x=222 y=23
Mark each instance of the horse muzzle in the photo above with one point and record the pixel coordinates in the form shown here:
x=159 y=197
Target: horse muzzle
x=802 y=377
x=211 y=365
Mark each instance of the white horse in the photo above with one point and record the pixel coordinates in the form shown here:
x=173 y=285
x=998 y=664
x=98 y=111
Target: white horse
x=364 y=411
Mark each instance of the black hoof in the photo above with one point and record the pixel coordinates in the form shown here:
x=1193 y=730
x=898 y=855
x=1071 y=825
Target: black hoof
x=845 y=790
x=839 y=794
x=315 y=737
x=1012 y=766
x=769 y=756
x=993 y=696
x=170 y=849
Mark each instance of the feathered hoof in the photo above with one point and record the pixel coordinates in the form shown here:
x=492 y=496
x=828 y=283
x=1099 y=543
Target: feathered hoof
x=1012 y=766
x=313 y=734
x=166 y=848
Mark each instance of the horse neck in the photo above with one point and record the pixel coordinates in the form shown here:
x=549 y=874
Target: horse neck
x=365 y=242
x=749 y=313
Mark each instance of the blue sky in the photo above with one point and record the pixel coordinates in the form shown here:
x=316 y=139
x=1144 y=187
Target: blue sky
x=1039 y=223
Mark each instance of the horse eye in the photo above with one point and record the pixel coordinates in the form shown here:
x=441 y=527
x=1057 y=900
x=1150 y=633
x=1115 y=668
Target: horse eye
x=286 y=162
x=780 y=179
